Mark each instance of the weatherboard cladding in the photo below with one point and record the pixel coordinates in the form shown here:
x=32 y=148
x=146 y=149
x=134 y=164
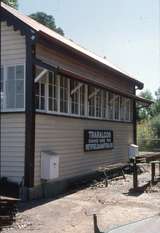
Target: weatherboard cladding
x=64 y=136
x=12 y=145
x=13 y=48
x=12 y=125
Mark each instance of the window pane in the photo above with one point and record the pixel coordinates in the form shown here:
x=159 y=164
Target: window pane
x=52 y=92
x=40 y=96
x=117 y=107
x=20 y=72
x=11 y=94
x=74 y=94
x=11 y=73
x=104 y=104
x=19 y=87
x=91 y=100
x=19 y=101
x=122 y=108
x=110 y=105
x=98 y=97
x=1 y=88
x=82 y=100
x=63 y=94
x=127 y=110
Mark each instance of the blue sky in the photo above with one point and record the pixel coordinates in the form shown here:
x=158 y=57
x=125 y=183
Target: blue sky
x=127 y=32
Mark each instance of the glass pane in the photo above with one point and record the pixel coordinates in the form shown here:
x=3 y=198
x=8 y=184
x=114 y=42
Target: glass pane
x=19 y=87
x=117 y=105
x=20 y=72
x=10 y=89
x=19 y=101
x=1 y=79
x=11 y=73
x=110 y=105
x=42 y=103
x=42 y=89
x=1 y=88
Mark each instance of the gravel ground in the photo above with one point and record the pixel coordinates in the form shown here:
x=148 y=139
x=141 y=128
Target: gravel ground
x=73 y=213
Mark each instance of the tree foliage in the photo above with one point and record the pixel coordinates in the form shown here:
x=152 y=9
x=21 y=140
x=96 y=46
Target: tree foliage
x=12 y=3
x=149 y=126
x=47 y=20
x=145 y=113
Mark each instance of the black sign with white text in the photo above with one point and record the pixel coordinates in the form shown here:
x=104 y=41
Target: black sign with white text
x=98 y=139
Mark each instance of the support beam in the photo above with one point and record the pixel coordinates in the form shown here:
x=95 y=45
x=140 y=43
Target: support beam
x=44 y=71
x=94 y=93
x=77 y=88
x=29 y=115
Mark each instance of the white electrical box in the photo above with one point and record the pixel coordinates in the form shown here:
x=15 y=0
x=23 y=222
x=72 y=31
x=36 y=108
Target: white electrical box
x=133 y=151
x=49 y=165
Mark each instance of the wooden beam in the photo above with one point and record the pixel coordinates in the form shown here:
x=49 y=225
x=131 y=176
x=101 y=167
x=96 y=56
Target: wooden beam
x=29 y=116
x=44 y=71
x=76 y=88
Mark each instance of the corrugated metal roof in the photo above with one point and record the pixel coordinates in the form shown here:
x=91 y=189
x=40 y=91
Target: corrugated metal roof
x=70 y=44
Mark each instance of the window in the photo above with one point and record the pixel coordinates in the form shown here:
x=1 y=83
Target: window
x=52 y=92
x=2 y=88
x=63 y=94
x=110 y=105
x=15 y=87
x=117 y=107
x=40 y=95
x=58 y=93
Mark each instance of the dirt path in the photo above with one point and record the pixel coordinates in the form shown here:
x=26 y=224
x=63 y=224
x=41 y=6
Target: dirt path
x=73 y=213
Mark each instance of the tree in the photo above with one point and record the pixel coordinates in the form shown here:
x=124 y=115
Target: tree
x=145 y=113
x=47 y=20
x=156 y=106
x=12 y=3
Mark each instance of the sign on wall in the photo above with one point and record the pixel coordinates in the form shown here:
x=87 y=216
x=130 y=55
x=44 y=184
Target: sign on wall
x=98 y=139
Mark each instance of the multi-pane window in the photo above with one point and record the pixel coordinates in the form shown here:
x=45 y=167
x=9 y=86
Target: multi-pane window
x=110 y=106
x=1 y=88
x=116 y=107
x=57 y=93
x=63 y=94
x=52 y=92
x=40 y=95
x=15 y=87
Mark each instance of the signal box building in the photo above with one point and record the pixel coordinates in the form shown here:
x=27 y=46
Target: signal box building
x=64 y=111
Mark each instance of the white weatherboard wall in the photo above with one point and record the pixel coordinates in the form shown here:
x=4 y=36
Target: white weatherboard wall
x=12 y=145
x=64 y=136
x=13 y=47
x=13 y=51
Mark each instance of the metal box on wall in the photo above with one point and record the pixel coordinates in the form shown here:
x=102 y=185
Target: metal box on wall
x=49 y=165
